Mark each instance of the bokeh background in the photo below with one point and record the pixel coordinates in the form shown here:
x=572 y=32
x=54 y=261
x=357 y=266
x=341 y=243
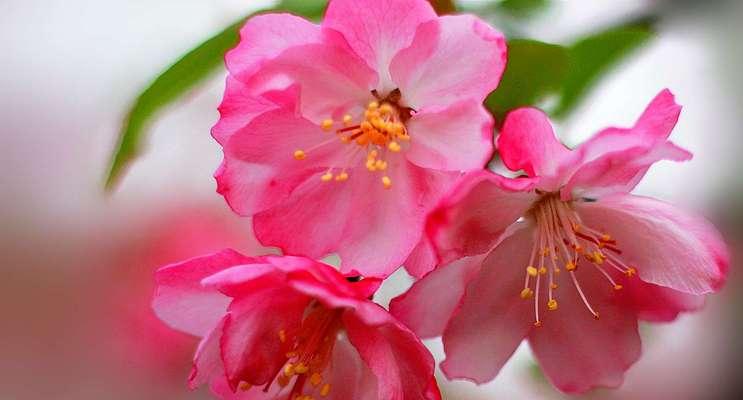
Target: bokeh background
x=76 y=271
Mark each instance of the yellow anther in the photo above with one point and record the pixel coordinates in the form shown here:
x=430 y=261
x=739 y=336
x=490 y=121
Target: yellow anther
x=531 y=271
x=605 y=237
x=578 y=249
x=630 y=272
x=526 y=293
x=282 y=380
x=598 y=257
x=327 y=124
x=576 y=227
x=245 y=386
x=596 y=316
x=300 y=155
x=404 y=138
x=289 y=370
x=371 y=165
x=366 y=126
x=347 y=119
x=327 y=177
x=387 y=182
x=372 y=154
x=553 y=286
x=542 y=271
x=570 y=266
x=552 y=305
x=282 y=336
x=316 y=379
x=373 y=105
x=381 y=165
x=301 y=368
x=538 y=324
x=342 y=177
x=325 y=390
x=546 y=252
x=386 y=109
x=394 y=147
x=618 y=287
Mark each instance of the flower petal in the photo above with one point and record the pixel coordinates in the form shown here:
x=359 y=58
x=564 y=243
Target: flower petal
x=238 y=108
x=349 y=376
x=578 y=352
x=455 y=138
x=266 y=36
x=402 y=364
x=657 y=303
x=427 y=306
x=527 y=142
x=377 y=30
x=492 y=319
x=451 y=59
x=668 y=246
x=181 y=301
x=422 y=259
x=471 y=218
x=207 y=362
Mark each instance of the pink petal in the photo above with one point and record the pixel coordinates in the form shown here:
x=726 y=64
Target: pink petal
x=578 y=352
x=451 y=59
x=350 y=378
x=668 y=246
x=250 y=345
x=455 y=138
x=492 y=319
x=266 y=36
x=422 y=259
x=616 y=159
x=181 y=301
x=403 y=366
x=238 y=108
x=207 y=362
x=427 y=306
x=385 y=225
x=657 y=303
x=377 y=30
x=527 y=142
x=471 y=218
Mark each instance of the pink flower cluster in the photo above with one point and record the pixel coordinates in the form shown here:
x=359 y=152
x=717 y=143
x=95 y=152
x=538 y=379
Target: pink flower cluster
x=366 y=137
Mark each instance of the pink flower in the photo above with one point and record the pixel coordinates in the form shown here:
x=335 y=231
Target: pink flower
x=342 y=137
x=290 y=328
x=566 y=257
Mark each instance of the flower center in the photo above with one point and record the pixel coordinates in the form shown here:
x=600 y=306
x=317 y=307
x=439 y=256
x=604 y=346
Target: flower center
x=377 y=133
x=308 y=350
x=561 y=241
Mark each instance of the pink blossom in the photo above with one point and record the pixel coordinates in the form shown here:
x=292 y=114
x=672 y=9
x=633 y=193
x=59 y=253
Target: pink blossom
x=341 y=137
x=565 y=258
x=290 y=328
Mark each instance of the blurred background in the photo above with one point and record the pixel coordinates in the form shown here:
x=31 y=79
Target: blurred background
x=77 y=263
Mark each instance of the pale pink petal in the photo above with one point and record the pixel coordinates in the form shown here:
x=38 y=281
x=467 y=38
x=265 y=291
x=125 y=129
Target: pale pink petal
x=332 y=78
x=527 y=142
x=238 y=108
x=386 y=224
x=403 y=366
x=657 y=303
x=378 y=29
x=668 y=246
x=349 y=377
x=312 y=221
x=182 y=302
x=492 y=319
x=452 y=58
x=427 y=306
x=207 y=362
x=422 y=259
x=455 y=138
x=264 y=37
x=578 y=352
x=250 y=345
x=471 y=218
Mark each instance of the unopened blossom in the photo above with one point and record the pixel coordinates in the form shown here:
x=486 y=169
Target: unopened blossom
x=341 y=137
x=565 y=258
x=290 y=328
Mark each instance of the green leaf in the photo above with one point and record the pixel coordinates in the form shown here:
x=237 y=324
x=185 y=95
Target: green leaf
x=593 y=56
x=521 y=8
x=535 y=70
x=184 y=75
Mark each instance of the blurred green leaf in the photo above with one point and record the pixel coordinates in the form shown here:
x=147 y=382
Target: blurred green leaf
x=521 y=8
x=593 y=56
x=180 y=78
x=535 y=69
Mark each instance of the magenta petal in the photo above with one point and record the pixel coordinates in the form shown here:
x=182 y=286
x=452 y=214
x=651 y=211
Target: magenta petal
x=657 y=303
x=471 y=218
x=349 y=376
x=207 y=361
x=452 y=59
x=427 y=306
x=456 y=138
x=378 y=29
x=668 y=246
x=578 y=352
x=182 y=302
x=266 y=36
x=527 y=142
x=492 y=319
x=422 y=259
